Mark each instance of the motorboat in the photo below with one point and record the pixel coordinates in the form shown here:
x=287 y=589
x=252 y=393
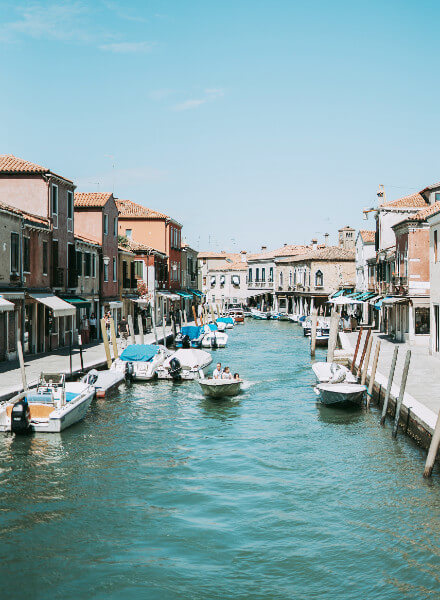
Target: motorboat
x=236 y=314
x=341 y=393
x=140 y=361
x=259 y=314
x=219 y=388
x=294 y=318
x=327 y=372
x=104 y=381
x=283 y=317
x=213 y=338
x=228 y=321
x=322 y=337
x=51 y=407
x=184 y=364
x=190 y=336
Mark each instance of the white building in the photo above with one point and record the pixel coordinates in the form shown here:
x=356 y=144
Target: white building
x=365 y=249
x=228 y=283
x=434 y=276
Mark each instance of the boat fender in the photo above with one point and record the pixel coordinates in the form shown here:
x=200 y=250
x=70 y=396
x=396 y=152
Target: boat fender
x=175 y=369
x=129 y=371
x=214 y=343
x=21 y=417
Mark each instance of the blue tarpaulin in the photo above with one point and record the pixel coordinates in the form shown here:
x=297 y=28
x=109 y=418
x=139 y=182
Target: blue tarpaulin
x=139 y=352
x=192 y=331
x=212 y=326
x=225 y=320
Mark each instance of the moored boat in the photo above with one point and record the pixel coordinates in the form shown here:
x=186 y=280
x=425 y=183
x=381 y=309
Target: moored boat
x=213 y=338
x=327 y=372
x=184 y=364
x=228 y=321
x=104 y=381
x=140 y=361
x=190 y=336
x=341 y=393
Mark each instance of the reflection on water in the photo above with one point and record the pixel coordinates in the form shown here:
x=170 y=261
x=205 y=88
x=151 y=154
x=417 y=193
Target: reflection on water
x=163 y=493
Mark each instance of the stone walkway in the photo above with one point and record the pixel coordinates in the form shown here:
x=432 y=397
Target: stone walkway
x=422 y=393
x=58 y=361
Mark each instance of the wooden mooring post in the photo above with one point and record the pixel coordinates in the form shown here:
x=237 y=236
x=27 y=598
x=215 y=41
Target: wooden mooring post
x=114 y=340
x=364 y=349
x=106 y=343
x=80 y=344
x=333 y=336
x=22 y=369
x=153 y=322
x=173 y=326
x=402 y=392
x=181 y=313
x=141 y=329
x=131 y=329
x=433 y=449
x=313 y=332
x=373 y=373
x=211 y=306
x=367 y=361
x=356 y=350
x=390 y=383
x=195 y=314
x=164 y=324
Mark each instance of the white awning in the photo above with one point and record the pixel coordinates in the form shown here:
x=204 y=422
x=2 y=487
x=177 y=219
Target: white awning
x=5 y=305
x=397 y=300
x=59 y=307
x=169 y=295
x=115 y=304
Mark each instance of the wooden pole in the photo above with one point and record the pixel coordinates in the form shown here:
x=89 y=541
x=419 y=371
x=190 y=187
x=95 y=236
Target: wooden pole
x=361 y=362
x=313 y=334
x=195 y=314
x=131 y=329
x=390 y=383
x=114 y=341
x=433 y=449
x=81 y=351
x=185 y=317
x=141 y=329
x=333 y=336
x=22 y=369
x=367 y=361
x=356 y=350
x=212 y=313
x=402 y=392
x=218 y=311
x=373 y=373
x=164 y=324
x=153 y=322
x=106 y=343
x=181 y=319
x=173 y=326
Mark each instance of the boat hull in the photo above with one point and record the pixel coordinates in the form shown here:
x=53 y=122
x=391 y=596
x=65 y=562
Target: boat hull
x=341 y=393
x=218 y=388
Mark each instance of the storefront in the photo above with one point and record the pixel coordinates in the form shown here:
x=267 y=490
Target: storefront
x=6 y=307
x=52 y=322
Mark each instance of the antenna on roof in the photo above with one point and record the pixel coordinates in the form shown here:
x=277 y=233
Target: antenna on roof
x=95 y=183
x=113 y=170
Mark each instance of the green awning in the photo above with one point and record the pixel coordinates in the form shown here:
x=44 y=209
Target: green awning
x=184 y=294
x=195 y=292
x=77 y=301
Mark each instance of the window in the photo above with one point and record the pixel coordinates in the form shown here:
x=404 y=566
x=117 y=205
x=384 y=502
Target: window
x=54 y=200
x=15 y=252
x=44 y=258
x=294 y=277
x=105 y=224
x=93 y=265
x=250 y=276
x=87 y=264
x=319 y=279
x=79 y=261
x=26 y=255
x=235 y=280
x=115 y=227
x=281 y=279
x=212 y=281
x=257 y=274
x=290 y=278
x=128 y=234
x=263 y=274
x=271 y=274
x=138 y=268
x=421 y=320
x=70 y=205
x=106 y=271
x=115 y=275
x=437 y=196
x=435 y=245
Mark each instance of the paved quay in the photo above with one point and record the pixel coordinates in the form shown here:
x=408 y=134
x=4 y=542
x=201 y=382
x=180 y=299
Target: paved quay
x=58 y=361
x=422 y=394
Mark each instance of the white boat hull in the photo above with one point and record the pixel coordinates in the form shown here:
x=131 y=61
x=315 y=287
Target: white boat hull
x=215 y=339
x=105 y=380
x=219 y=388
x=341 y=393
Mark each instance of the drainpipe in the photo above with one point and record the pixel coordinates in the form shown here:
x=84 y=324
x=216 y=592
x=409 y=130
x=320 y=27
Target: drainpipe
x=23 y=316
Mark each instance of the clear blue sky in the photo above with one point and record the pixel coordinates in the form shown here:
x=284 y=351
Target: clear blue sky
x=251 y=122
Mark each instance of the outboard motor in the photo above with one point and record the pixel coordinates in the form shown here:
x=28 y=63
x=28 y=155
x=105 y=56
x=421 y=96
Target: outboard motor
x=21 y=417
x=175 y=369
x=186 y=342
x=214 y=344
x=129 y=372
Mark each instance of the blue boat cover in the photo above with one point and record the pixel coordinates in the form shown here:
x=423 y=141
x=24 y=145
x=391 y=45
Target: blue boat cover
x=139 y=352
x=192 y=331
x=212 y=326
x=225 y=320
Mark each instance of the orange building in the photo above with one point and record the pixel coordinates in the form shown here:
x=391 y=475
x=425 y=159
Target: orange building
x=156 y=230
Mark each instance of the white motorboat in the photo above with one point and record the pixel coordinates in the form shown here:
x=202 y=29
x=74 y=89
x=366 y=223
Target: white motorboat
x=341 y=393
x=294 y=318
x=184 y=364
x=104 y=381
x=214 y=338
x=219 y=388
x=332 y=373
x=228 y=321
x=50 y=408
x=140 y=361
x=259 y=314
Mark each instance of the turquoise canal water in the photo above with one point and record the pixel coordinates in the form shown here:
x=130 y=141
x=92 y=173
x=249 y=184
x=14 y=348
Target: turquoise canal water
x=162 y=494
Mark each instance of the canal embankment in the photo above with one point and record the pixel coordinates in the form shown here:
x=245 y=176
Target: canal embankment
x=421 y=399
x=62 y=361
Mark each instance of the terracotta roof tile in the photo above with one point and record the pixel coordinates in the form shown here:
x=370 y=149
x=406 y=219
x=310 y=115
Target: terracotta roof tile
x=327 y=253
x=235 y=266
x=93 y=199
x=368 y=236
x=287 y=250
x=11 y=164
x=412 y=201
x=130 y=209
x=423 y=214
x=233 y=256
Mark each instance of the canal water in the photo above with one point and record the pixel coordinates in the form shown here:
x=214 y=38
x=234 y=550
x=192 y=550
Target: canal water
x=162 y=494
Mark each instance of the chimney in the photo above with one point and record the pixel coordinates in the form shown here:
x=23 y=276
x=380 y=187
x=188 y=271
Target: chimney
x=314 y=244
x=326 y=236
x=243 y=255
x=264 y=248
x=285 y=244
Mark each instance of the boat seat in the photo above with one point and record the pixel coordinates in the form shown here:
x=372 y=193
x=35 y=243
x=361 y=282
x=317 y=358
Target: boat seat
x=38 y=411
